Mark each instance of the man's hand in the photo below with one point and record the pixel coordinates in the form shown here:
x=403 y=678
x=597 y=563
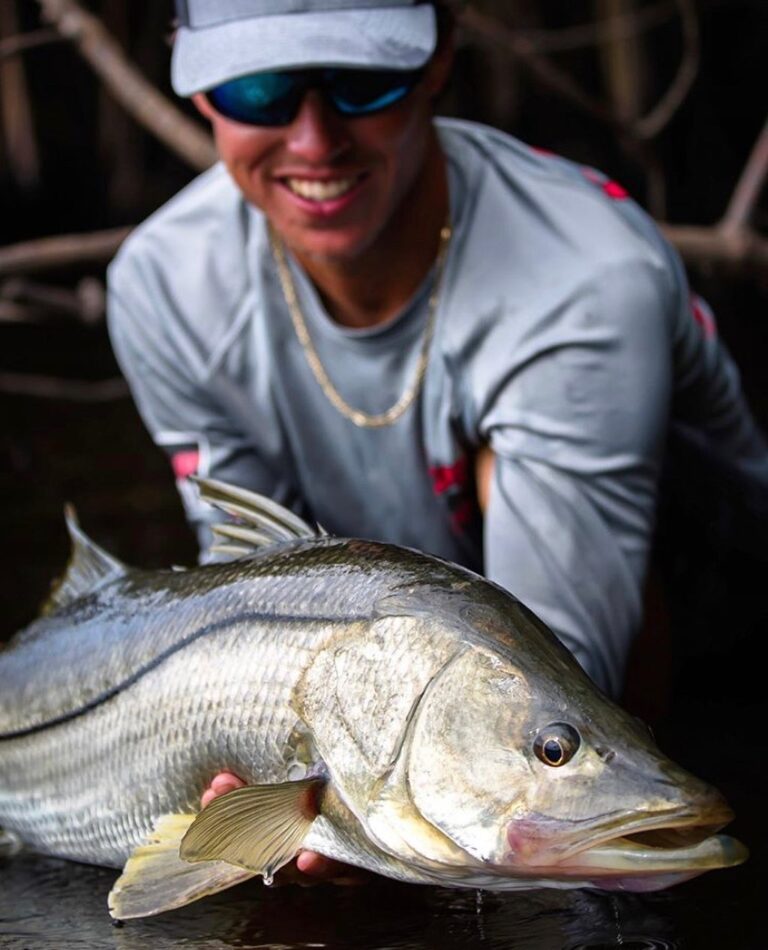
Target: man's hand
x=483 y=476
x=309 y=868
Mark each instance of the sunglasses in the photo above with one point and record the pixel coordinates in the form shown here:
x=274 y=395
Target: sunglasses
x=275 y=98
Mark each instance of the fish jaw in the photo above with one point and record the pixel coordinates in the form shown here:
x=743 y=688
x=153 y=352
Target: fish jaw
x=631 y=853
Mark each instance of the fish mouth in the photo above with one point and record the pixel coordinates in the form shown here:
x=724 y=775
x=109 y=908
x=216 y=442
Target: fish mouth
x=661 y=850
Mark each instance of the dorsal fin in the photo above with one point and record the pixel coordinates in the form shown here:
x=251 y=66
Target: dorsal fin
x=260 y=520
x=89 y=567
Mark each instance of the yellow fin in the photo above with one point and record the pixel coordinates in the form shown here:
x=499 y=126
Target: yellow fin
x=155 y=879
x=259 y=827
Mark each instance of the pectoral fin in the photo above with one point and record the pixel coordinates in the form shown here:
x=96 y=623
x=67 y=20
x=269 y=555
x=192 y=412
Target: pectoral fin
x=155 y=878
x=259 y=827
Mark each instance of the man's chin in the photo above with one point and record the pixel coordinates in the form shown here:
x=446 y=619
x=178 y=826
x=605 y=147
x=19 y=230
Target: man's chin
x=331 y=246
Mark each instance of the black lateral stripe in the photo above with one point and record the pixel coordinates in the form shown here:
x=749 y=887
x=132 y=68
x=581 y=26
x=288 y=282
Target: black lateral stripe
x=160 y=658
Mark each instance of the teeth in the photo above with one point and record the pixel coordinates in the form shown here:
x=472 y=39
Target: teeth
x=320 y=190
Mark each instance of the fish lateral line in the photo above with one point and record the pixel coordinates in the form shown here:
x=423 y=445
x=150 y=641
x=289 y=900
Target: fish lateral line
x=157 y=661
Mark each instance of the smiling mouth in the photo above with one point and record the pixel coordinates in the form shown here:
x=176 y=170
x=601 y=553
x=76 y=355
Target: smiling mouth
x=312 y=189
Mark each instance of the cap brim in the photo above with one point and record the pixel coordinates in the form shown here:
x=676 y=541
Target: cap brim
x=383 y=38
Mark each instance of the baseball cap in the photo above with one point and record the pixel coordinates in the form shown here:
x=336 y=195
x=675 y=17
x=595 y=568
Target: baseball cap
x=218 y=40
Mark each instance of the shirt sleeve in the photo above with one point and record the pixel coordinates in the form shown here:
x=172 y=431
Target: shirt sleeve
x=578 y=431
x=185 y=414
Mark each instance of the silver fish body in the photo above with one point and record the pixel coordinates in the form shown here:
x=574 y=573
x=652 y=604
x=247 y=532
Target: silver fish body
x=454 y=738
x=121 y=708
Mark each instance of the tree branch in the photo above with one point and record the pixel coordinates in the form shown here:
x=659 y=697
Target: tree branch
x=15 y=109
x=526 y=47
x=653 y=122
x=596 y=34
x=491 y=32
x=23 y=301
x=74 y=390
x=740 y=251
x=13 y=45
x=32 y=257
x=148 y=106
x=749 y=186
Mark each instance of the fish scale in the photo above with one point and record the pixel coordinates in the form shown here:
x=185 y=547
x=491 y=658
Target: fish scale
x=130 y=624
x=389 y=709
x=167 y=733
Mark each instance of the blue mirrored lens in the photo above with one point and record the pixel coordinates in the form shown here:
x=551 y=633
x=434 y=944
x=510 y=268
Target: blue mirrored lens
x=361 y=92
x=259 y=99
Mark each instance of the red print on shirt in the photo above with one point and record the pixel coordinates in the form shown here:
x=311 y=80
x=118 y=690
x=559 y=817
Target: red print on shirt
x=702 y=316
x=612 y=189
x=454 y=482
x=185 y=463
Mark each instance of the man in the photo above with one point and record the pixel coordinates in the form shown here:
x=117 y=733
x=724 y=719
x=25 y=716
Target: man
x=419 y=332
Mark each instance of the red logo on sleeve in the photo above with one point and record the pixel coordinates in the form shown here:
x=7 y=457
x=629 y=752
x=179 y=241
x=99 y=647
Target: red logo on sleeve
x=612 y=189
x=703 y=316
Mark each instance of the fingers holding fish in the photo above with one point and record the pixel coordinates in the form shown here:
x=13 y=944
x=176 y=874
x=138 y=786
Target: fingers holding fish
x=221 y=784
x=317 y=869
x=309 y=868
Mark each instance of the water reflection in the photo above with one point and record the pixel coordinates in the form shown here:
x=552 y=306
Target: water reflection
x=49 y=903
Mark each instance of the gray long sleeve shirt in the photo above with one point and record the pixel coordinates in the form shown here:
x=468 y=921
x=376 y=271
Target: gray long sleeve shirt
x=566 y=339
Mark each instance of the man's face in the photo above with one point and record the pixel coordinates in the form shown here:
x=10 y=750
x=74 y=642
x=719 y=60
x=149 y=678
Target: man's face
x=331 y=184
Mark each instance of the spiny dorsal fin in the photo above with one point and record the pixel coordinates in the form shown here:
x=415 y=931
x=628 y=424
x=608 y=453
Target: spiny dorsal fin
x=89 y=567
x=261 y=521
x=259 y=827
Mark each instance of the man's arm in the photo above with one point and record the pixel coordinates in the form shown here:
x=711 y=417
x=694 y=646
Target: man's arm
x=484 y=461
x=576 y=438
x=185 y=412
x=576 y=433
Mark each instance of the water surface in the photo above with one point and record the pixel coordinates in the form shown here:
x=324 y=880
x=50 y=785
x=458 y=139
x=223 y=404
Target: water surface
x=47 y=903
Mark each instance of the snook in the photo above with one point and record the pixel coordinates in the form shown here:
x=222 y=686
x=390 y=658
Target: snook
x=386 y=708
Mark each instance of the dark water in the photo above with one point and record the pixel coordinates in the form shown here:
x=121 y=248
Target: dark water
x=52 y=904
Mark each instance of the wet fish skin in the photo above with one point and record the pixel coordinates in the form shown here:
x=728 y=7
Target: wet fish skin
x=421 y=692
x=122 y=707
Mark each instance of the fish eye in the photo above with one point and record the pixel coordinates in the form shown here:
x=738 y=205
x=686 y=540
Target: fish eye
x=557 y=744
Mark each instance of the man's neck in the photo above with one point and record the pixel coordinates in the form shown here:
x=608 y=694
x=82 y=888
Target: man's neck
x=378 y=283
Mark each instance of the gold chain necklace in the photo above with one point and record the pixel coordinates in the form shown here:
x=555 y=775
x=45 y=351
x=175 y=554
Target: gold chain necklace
x=362 y=419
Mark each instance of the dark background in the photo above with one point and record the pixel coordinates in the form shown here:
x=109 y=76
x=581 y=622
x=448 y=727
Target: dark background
x=697 y=677
x=698 y=674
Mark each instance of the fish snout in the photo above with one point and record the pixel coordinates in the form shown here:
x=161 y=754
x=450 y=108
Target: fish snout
x=714 y=810
x=695 y=802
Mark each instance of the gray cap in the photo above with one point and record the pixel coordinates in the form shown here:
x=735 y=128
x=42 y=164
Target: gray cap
x=218 y=40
